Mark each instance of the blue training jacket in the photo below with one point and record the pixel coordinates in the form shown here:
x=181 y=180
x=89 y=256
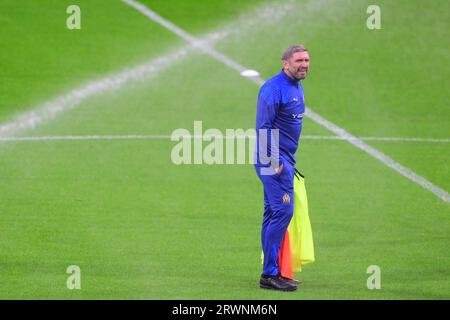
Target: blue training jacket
x=281 y=105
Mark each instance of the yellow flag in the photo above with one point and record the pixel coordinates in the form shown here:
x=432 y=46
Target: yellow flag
x=297 y=247
x=300 y=232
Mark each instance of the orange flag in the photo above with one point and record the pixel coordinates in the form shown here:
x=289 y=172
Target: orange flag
x=297 y=247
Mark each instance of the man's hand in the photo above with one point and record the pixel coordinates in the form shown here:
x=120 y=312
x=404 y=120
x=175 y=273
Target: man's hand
x=279 y=169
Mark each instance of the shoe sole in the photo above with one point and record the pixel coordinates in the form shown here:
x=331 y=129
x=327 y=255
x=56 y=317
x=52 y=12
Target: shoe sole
x=263 y=286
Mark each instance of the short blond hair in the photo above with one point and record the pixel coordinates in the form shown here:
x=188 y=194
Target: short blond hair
x=287 y=54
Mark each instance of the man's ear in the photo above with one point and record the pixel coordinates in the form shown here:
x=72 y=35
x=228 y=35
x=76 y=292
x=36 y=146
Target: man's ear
x=285 y=63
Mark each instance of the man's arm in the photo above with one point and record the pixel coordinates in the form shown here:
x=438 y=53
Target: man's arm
x=268 y=137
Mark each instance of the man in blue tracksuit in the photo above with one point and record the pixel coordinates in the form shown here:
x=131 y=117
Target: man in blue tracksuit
x=279 y=117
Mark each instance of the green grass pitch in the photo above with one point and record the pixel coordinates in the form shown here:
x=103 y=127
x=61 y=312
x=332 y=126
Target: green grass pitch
x=140 y=227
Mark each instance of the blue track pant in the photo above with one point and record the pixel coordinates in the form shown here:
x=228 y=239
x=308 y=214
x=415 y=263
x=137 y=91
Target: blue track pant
x=278 y=211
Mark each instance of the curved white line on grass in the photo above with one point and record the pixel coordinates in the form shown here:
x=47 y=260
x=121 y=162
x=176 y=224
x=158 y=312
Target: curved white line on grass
x=52 y=108
x=325 y=123
x=49 y=110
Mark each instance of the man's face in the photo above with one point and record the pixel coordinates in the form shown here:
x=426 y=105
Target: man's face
x=297 y=65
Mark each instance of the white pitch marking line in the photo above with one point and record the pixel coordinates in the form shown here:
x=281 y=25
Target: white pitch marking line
x=191 y=39
x=400 y=139
x=439 y=192
x=167 y=137
x=382 y=139
x=80 y=138
x=49 y=110
x=63 y=103
x=340 y=132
